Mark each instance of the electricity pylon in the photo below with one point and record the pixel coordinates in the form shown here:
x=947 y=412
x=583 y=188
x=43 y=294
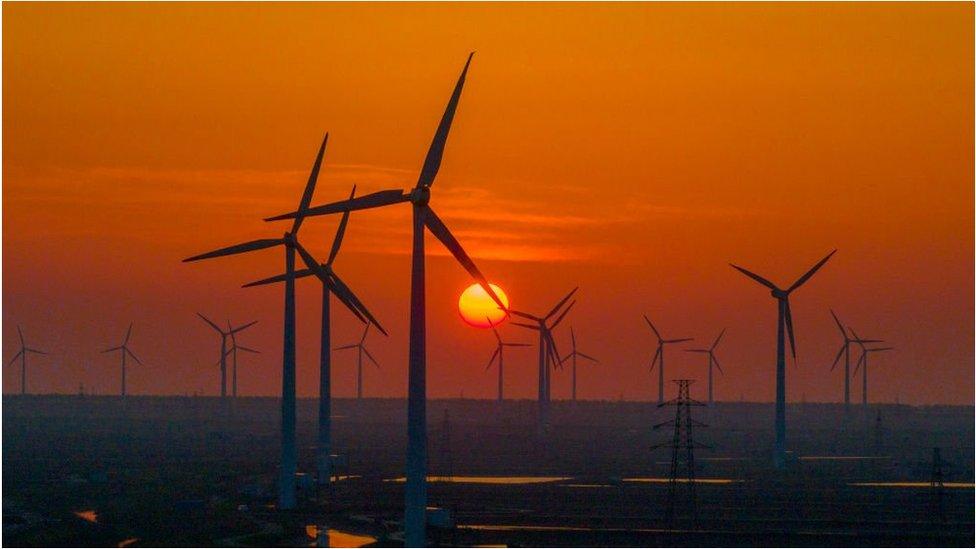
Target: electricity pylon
x=682 y=446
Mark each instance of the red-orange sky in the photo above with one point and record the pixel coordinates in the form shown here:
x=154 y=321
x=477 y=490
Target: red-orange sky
x=631 y=149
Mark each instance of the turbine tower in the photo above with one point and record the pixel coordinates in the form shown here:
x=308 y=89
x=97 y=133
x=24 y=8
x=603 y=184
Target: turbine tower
x=423 y=218
x=361 y=348
x=234 y=347
x=124 y=350
x=712 y=361
x=784 y=323
x=289 y=453
x=574 y=355
x=22 y=355
x=329 y=281
x=224 y=351
x=863 y=360
x=659 y=357
x=500 y=355
x=548 y=354
x=845 y=351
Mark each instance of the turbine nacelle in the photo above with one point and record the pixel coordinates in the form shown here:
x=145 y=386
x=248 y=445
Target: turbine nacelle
x=420 y=196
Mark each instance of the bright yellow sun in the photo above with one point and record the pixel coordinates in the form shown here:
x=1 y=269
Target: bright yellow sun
x=478 y=309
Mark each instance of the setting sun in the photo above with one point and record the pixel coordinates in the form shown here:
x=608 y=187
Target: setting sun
x=478 y=309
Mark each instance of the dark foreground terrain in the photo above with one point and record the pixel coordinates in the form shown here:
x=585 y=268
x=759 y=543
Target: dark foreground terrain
x=149 y=471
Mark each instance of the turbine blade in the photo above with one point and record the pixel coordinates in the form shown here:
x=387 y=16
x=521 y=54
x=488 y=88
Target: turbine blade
x=572 y=337
x=561 y=303
x=432 y=162
x=112 y=349
x=861 y=359
x=494 y=331
x=239 y=248
x=680 y=340
x=39 y=352
x=517 y=344
x=279 y=278
x=241 y=328
x=524 y=315
x=208 y=321
x=492 y=359
x=233 y=338
x=563 y=315
x=365 y=332
x=651 y=324
x=350 y=346
x=755 y=277
x=553 y=351
x=840 y=353
x=370 y=357
x=857 y=338
x=437 y=227
x=799 y=282
x=717 y=339
x=789 y=329
x=586 y=356
x=372 y=200
x=657 y=355
x=839 y=325
x=16 y=356
x=313 y=176
x=21 y=334
x=126 y=349
x=717 y=365
x=523 y=325
x=128 y=333
x=329 y=280
x=878 y=350
x=348 y=295
x=340 y=232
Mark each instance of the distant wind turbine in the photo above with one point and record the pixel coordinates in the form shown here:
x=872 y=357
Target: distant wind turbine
x=783 y=323
x=22 y=355
x=548 y=353
x=124 y=350
x=423 y=218
x=862 y=362
x=330 y=281
x=234 y=347
x=658 y=358
x=289 y=452
x=361 y=347
x=500 y=355
x=224 y=351
x=574 y=354
x=845 y=351
x=712 y=361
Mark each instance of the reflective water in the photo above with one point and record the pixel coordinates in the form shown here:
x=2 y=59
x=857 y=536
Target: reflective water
x=909 y=484
x=338 y=538
x=89 y=514
x=488 y=480
x=697 y=480
x=841 y=458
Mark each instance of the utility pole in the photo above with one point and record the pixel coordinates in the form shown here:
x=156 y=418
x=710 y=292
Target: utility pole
x=447 y=462
x=938 y=487
x=682 y=446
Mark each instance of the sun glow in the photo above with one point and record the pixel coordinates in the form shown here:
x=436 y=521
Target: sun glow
x=478 y=309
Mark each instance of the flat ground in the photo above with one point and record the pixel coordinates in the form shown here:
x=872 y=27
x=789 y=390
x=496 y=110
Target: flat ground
x=190 y=471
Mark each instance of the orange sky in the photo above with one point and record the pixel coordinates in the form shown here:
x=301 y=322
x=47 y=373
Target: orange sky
x=631 y=149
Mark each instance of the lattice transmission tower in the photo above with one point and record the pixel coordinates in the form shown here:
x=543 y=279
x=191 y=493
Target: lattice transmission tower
x=682 y=446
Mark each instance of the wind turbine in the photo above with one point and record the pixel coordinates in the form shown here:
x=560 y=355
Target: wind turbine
x=423 y=218
x=658 y=358
x=845 y=350
x=22 y=355
x=124 y=350
x=500 y=355
x=548 y=354
x=783 y=323
x=289 y=454
x=574 y=355
x=361 y=347
x=224 y=352
x=865 y=351
x=324 y=448
x=712 y=361
x=234 y=347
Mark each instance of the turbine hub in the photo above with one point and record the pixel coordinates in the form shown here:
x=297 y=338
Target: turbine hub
x=289 y=239
x=779 y=294
x=420 y=196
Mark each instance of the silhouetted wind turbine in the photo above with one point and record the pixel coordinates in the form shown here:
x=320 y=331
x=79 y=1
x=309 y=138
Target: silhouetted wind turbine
x=659 y=357
x=329 y=281
x=423 y=217
x=712 y=361
x=548 y=353
x=123 y=350
x=289 y=453
x=361 y=348
x=234 y=347
x=22 y=355
x=845 y=350
x=574 y=354
x=224 y=351
x=500 y=355
x=865 y=351
x=783 y=323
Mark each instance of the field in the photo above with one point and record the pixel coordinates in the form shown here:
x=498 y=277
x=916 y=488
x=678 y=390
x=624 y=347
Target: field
x=147 y=471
